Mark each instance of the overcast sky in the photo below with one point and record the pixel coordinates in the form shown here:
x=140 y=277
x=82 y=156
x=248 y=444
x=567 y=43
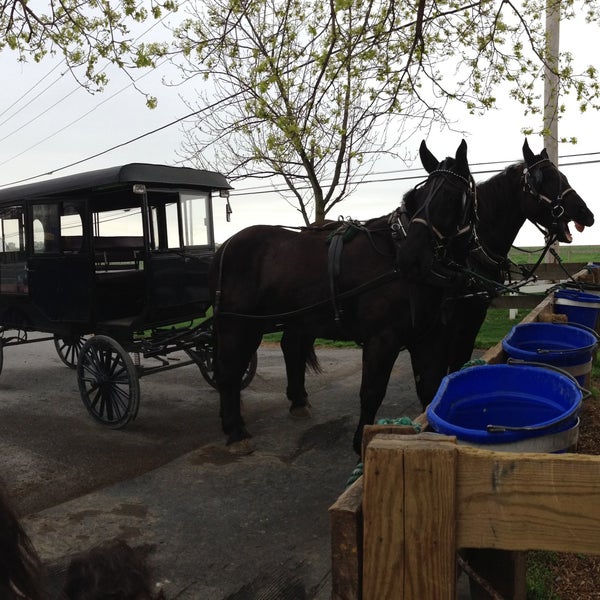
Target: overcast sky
x=56 y=123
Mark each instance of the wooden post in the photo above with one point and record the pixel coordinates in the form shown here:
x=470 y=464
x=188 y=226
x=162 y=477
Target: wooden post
x=409 y=518
x=551 y=88
x=346 y=519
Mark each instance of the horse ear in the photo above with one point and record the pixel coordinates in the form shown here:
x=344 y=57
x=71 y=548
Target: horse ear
x=461 y=157
x=430 y=162
x=544 y=154
x=528 y=155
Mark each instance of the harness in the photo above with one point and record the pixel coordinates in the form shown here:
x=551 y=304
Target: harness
x=399 y=221
x=347 y=230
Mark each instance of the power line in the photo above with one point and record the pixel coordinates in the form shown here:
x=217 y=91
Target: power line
x=279 y=189
x=32 y=120
x=77 y=88
x=73 y=122
x=126 y=143
x=25 y=94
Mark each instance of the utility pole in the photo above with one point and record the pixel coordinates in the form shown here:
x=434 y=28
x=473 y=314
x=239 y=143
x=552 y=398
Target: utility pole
x=551 y=87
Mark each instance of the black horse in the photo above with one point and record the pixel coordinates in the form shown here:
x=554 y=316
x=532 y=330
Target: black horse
x=340 y=282
x=534 y=189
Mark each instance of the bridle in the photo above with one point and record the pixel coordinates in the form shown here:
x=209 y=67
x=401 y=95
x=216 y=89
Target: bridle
x=531 y=180
x=400 y=220
x=557 y=210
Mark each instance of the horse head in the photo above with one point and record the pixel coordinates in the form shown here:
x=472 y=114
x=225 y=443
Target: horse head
x=439 y=213
x=549 y=200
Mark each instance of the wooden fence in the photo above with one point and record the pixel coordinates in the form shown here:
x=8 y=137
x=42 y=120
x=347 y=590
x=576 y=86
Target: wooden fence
x=425 y=497
x=396 y=531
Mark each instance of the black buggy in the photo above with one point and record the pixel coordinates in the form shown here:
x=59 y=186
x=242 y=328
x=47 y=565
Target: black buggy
x=113 y=265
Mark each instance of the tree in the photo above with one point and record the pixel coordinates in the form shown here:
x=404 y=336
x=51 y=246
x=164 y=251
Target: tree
x=83 y=32
x=314 y=92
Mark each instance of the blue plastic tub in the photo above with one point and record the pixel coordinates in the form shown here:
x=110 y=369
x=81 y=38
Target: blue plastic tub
x=504 y=405
x=562 y=345
x=579 y=307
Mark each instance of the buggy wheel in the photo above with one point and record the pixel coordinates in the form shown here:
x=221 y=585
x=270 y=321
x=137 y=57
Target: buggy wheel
x=203 y=356
x=68 y=349
x=108 y=382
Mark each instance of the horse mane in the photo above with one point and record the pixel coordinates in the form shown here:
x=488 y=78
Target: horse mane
x=498 y=186
x=499 y=211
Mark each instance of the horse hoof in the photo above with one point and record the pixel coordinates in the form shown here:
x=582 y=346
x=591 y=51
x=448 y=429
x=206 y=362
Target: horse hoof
x=300 y=412
x=241 y=448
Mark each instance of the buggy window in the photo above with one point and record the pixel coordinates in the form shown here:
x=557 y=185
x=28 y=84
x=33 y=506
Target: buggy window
x=172 y=225
x=13 y=278
x=12 y=229
x=195 y=218
x=57 y=227
x=71 y=229
x=180 y=220
x=46 y=228
x=123 y=221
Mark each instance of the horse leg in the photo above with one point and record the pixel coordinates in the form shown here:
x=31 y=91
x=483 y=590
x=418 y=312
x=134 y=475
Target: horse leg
x=297 y=348
x=234 y=347
x=379 y=356
x=429 y=359
x=469 y=316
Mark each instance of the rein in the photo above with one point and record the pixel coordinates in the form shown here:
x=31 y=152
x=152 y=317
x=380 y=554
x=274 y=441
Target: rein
x=363 y=287
x=531 y=178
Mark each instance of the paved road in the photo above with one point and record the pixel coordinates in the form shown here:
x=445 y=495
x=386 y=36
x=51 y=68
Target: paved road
x=215 y=526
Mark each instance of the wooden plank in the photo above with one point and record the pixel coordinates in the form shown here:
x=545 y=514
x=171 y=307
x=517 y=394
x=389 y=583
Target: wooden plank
x=383 y=521
x=528 y=501
x=346 y=543
x=400 y=529
x=521 y=301
x=430 y=521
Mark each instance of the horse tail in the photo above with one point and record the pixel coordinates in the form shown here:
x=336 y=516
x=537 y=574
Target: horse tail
x=312 y=361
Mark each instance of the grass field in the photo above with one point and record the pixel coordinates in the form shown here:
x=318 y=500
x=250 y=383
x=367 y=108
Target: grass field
x=495 y=327
x=567 y=253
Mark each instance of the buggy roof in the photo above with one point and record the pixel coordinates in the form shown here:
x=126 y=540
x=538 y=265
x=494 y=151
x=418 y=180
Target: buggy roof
x=157 y=175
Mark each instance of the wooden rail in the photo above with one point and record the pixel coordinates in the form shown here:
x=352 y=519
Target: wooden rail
x=552 y=271
x=545 y=272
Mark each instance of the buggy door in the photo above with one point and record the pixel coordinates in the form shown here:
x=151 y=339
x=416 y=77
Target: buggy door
x=182 y=247
x=58 y=273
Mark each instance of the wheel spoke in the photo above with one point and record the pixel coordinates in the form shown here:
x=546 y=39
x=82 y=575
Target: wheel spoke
x=68 y=349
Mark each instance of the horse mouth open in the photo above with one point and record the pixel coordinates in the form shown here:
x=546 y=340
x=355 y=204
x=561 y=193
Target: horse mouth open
x=564 y=233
